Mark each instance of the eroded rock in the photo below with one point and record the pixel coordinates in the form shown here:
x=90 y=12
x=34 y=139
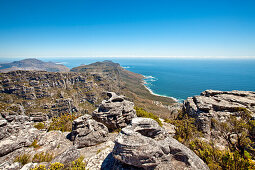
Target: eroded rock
x=218 y=105
x=144 y=144
x=88 y=132
x=115 y=113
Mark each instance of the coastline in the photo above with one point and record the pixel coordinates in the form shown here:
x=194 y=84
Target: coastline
x=151 y=92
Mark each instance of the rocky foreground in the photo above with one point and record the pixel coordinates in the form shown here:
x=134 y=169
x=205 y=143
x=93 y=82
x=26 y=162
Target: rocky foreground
x=141 y=144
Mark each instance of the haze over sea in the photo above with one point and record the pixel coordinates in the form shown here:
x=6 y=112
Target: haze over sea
x=182 y=78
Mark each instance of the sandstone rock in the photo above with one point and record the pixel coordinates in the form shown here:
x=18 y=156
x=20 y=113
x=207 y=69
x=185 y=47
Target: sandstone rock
x=144 y=144
x=54 y=142
x=29 y=166
x=88 y=132
x=67 y=156
x=218 y=105
x=9 y=166
x=38 y=117
x=115 y=113
x=24 y=138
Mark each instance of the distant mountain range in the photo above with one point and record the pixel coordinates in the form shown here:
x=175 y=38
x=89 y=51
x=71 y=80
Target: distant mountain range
x=33 y=64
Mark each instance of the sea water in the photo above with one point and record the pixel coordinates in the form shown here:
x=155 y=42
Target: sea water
x=182 y=78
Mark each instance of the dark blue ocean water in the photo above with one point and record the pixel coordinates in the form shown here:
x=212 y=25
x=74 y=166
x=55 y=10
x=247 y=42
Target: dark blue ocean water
x=181 y=78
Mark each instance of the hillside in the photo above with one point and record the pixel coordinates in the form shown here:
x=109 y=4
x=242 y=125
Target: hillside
x=33 y=64
x=131 y=85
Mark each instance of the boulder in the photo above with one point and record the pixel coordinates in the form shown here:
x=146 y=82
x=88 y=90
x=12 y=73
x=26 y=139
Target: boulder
x=71 y=154
x=144 y=144
x=115 y=113
x=88 y=132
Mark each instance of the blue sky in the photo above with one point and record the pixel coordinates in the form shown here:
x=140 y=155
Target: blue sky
x=127 y=28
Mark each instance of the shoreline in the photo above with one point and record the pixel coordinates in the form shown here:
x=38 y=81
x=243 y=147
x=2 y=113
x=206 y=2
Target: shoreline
x=151 y=92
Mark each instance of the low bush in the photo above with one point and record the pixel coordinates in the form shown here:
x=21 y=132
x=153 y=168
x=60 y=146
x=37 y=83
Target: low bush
x=39 y=126
x=42 y=157
x=217 y=159
x=140 y=112
x=78 y=164
x=23 y=159
x=185 y=129
x=34 y=144
x=62 y=123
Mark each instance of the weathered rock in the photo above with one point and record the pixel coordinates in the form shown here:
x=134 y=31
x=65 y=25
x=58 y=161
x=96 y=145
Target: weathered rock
x=67 y=156
x=88 y=132
x=29 y=166
x=115 y=113
x=218 y=105
x=24 y=138
x=9 y=166
x=55 y=142
x=144 y=144
x=38 y=117
x=64 y=106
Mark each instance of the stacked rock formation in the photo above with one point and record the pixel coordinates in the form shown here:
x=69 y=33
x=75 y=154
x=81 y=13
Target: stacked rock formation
x=88 y=132
x=144 y=144
x=115 y=113
x=218 y=105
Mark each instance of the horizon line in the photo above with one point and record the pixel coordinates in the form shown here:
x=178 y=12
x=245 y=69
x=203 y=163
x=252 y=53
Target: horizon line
x=134 y=56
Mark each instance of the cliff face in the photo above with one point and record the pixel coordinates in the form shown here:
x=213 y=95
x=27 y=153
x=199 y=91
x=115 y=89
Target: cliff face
x=51 y=93
x=33 y=64
x=212 y=108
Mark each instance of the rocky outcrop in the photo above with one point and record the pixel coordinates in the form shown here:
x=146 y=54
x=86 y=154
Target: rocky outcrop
x=88 y=132
x=144 y=144
x=71 y=154
x=218 y=105
x=115 y=112
x=38 y=117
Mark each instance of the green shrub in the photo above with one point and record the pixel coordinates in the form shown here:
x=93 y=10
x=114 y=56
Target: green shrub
x=39 y=167
x=23 y=159
x=56 y=166
x=62 y=123
x=39 y=126
x=78 y=164
x=217 y=159
x=34 y=144
x=185 y=129
x=140 y=112
x=42 y=157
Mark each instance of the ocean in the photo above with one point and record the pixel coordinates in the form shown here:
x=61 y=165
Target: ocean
x=182 y=78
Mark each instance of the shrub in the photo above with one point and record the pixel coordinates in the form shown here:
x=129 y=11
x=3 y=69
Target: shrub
x=39 y=167
x=217 y=159
x=34 y=144
x=185 y=129
x=42 y=157
x=56 y=166
x=23 y=159
x=140 y=112
x=78 y=164
x=39 y=126
x=62 y=123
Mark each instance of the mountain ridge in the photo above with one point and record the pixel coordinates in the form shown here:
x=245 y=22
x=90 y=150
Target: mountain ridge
x=33 y=64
